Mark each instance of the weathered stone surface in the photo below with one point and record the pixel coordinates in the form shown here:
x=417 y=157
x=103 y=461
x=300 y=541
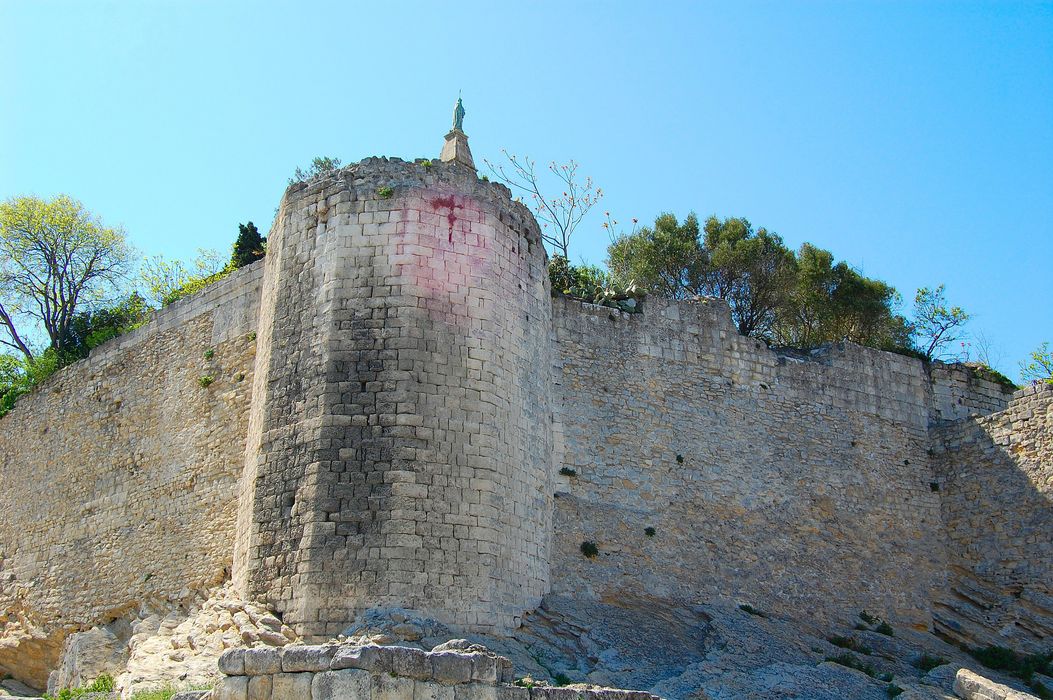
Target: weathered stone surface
x=388 y=687
x=192 y=695
x=451 y=667
x=972 y=686
x=259 y=662
x=88 y=655
x=411 y=663
x=308 y=658
x=291 y=686
x=259 y=688
x=370 y=658
x=231 y=688
x=348 y=684
x=232 y=662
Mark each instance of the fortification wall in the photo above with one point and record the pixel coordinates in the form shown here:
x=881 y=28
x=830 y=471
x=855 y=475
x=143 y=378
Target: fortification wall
x=958 y=392
x=400 y=448
x=786 y=483
x=120 y=472
x=995 y=475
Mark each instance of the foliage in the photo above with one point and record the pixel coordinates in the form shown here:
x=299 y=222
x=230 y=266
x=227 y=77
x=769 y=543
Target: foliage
x=937 y=326
x=832 y=303
x=849 y=643
x=751 y=270
x=559 y=216
x=93 y=328
x=164 y=693
x=385 y=192
x=851 y=661
x=926 y=662
x=985 y=371
x=1022 y=666
x=591 y=284
x=650 y=531
x=893 y=690
x=168 y=281
x=668 y=260
x=567 y=471
x=249 y=246
x=56 y=259
x=868 y=618
x=589 y=549
x=205 y=381
x=102 y=684
x=885 y=629
x=1040 y=368
x=320 y=165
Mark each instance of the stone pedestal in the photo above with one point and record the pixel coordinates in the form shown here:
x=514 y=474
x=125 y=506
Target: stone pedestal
x=456 y=149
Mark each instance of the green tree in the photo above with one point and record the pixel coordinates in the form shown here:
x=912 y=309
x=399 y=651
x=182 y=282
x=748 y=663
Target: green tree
x=1040 y=368
x=751 y=270
x=668 y=259
x=93 y=328
x=831 y=303
x=249 y=247
x=56 y=259
x=166 y=281
x=937 y=325
x=320 y=165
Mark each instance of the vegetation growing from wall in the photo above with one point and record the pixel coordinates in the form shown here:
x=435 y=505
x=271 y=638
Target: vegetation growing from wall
x=1040 y=367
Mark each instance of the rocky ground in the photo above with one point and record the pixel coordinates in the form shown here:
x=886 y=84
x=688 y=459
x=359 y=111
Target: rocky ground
x=716 y=651
x=706 y=652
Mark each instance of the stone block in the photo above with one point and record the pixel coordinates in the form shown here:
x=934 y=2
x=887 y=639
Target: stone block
x=411 y=663
x=297 y=659
x=232 y=662
x=291 y=686
x=232 y=688
x=512 y=692
x=259 y=688
x=431 y=690
x=485 y=668
x=451 y=668
x=385 y=686
x=368 y=658
x=348 y=684
x=262 y=662
x=474 y=691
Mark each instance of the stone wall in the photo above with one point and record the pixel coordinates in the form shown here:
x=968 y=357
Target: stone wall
x=995 y=475
x=119 y=475
x=958 y=392
x=785 y=481
x=455 y=671
x=400 y=442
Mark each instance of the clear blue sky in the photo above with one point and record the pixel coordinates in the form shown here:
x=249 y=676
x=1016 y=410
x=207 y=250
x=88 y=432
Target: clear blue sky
x=914 y=140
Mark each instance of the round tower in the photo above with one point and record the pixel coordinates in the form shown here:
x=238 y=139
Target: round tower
x=400 y=440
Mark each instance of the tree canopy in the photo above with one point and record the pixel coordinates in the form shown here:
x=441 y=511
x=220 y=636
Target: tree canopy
x=799 y=299
x=249 y=246
x=56 y=259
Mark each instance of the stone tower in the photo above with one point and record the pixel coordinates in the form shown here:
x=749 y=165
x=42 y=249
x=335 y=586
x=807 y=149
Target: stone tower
x=400 y=438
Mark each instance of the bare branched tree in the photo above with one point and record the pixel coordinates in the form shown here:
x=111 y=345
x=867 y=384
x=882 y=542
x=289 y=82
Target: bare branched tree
x=559 y=216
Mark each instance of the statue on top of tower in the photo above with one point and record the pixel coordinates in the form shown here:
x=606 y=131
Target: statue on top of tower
x=458 y=115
